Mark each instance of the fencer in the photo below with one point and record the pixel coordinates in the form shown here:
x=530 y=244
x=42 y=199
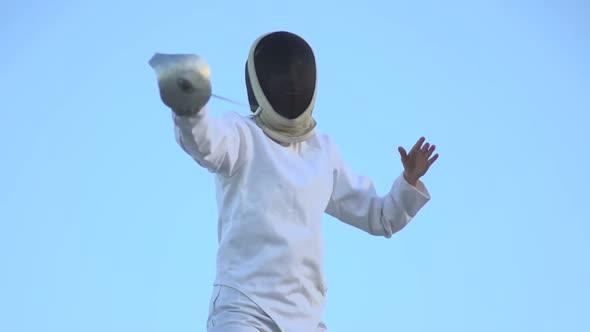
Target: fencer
x=276 y=175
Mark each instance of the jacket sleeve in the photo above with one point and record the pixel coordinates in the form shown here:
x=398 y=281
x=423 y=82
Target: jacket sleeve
x=354 y=201
x=217 y=144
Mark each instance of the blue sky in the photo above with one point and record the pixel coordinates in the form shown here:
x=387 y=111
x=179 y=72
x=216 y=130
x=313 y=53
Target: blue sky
x=106 y=225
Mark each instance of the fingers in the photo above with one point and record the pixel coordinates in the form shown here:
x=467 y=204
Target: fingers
x=424 y=149
x=433 y=159
x=418 y=144
x=430 y=150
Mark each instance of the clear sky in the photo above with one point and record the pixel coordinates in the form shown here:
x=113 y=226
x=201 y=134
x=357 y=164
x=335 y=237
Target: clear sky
x=106 y=225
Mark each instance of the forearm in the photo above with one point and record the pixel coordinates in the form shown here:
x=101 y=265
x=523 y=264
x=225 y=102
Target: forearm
x=211 y=142
x=358 y=205
x=354 y=200
x=410 y=179
x=402 y=204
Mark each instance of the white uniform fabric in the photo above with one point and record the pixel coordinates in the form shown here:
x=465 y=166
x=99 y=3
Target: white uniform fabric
x=232 y=311
x=271 y=202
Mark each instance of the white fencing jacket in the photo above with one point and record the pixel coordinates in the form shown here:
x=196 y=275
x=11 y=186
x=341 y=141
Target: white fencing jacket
x=271 y=202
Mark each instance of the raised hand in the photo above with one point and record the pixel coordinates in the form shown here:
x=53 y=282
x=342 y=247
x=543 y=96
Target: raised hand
x=418 y=161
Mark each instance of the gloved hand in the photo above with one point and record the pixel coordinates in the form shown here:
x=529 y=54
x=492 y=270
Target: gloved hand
x=184 y=81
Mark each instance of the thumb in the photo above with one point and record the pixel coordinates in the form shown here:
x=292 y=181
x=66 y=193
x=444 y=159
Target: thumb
x=402 y=153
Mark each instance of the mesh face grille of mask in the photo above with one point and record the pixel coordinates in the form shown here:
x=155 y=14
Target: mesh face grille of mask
x=285 y=68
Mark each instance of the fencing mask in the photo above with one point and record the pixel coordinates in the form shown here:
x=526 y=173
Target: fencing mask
x=281 y=79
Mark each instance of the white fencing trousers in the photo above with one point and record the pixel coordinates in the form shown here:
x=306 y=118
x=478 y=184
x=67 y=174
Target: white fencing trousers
x=232 y=311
